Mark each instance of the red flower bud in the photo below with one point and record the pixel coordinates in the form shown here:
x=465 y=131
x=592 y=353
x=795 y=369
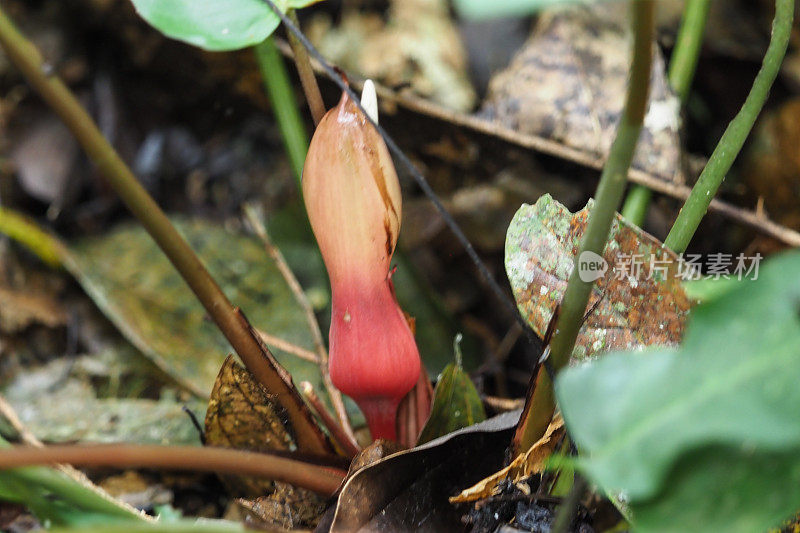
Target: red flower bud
x=353 y=200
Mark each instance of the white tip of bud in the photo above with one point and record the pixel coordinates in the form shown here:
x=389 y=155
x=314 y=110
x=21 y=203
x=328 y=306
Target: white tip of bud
x=369 y=100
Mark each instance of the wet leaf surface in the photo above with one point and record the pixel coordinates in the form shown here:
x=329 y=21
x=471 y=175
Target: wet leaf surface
x=707 y=433
x=60 y=402
x=568 y=84
x=409 y=490
x=639 y=307
x=134 y=284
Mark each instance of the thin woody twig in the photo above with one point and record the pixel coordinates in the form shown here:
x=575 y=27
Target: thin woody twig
x=316 y=333
x=348 y=444
x=287 y=347
x=25 y=434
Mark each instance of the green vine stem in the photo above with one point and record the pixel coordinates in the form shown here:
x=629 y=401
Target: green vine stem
x=682 y=66
x=228 y=318
x=683 y=63
x=733 y=139
x=322 y=479
x=607 y=199
x=279 y=89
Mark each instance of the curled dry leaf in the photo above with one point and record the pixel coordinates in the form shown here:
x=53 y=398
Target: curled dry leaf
x=408 y=491
x=242 y=414
x=524 y=466
x=568 y=84
x=643 y=300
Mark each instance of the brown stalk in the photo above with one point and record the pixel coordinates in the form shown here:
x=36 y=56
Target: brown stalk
x=307 y=78
x=229 y=319
x=322 y=479
x=348 y=444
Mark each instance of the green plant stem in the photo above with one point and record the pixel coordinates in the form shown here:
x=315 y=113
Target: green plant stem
x=228 y=318
x=636 y=203
x=307 y=78
x=607 y=199
x=683 y=63
x=28 y=233
x=279 y=89
x=733 y=139
x=322 y=479
x=682 y=66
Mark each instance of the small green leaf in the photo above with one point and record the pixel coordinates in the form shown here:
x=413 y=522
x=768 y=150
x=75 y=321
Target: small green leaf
x=215 y=25
x=456 y=403
x=706 y=436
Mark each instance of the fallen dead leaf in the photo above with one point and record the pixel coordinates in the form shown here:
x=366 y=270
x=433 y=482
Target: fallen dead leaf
x=643 y=299
x=19 y=309
x=568 y=84
x=243 y=415
x=522 y=467
x=418 y=46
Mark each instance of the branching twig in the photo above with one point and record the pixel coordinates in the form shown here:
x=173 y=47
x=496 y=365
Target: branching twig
x=313 y=325
x=288 y=347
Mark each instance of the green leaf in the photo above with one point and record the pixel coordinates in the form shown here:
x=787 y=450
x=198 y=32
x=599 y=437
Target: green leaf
x=134 y=284
x=505 y=8
x=709 y=434
x=76 y=399
x=215 y=25
x=56 y=498
x=456 y=403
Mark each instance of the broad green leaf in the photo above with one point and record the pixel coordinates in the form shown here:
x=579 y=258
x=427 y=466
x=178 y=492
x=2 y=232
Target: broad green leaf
x=57 y=499
x=456 y=403
x=215 y=25
x=709 y=433
x=134 y=284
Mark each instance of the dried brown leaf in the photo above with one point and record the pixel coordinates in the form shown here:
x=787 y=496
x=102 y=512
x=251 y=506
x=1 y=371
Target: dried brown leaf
x=524 y=466
x=568 y=84
x=640 y=306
